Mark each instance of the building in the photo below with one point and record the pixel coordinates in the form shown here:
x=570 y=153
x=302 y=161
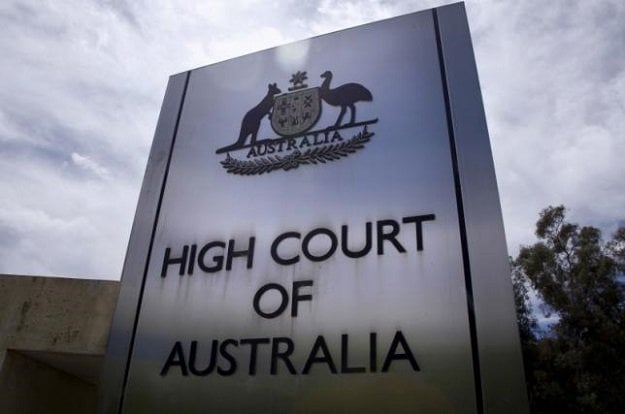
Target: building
x=53 y=334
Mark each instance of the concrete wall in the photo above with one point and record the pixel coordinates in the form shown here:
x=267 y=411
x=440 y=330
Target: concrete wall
x=29 y=386
x=53 y=334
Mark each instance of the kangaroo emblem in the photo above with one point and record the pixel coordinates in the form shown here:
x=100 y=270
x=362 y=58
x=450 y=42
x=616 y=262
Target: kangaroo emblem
x=251 y=121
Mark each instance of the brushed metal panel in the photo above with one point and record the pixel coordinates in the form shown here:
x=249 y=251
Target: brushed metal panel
x=112 y=380
x=500 y=357
x=405 y=170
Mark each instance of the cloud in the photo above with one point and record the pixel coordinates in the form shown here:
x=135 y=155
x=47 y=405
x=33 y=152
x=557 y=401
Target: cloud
x=90 y=165
x=552 y=78
x=82 y=81
x=58 y=219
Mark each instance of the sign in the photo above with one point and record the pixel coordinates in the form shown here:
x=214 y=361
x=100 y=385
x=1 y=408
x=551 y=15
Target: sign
x=319 y=231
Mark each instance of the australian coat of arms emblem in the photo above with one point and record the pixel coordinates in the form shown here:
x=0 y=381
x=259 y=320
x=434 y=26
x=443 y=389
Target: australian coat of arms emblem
x=293 y=116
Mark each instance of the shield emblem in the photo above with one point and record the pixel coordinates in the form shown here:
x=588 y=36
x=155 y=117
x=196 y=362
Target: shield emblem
x=296 y=112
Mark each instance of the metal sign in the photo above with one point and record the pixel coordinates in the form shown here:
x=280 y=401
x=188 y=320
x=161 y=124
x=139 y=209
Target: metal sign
x=320 y=231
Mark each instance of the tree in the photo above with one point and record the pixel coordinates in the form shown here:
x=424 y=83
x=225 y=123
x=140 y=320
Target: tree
x=578 y=366
x=525 y=317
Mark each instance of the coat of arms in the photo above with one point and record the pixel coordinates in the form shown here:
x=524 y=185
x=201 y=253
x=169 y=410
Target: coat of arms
x=297 y=111
x=293 y=116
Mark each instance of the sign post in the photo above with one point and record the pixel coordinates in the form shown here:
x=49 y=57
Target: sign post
x=319 y=231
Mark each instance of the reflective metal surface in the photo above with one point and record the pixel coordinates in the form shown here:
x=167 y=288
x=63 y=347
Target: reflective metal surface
x=111 y=384
x=394 y=322
x=498 y=341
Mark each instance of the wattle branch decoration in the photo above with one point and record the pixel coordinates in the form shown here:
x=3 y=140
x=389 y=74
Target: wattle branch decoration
x=296 y=158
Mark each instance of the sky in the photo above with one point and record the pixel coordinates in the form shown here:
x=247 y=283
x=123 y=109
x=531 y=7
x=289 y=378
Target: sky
x=81 y=84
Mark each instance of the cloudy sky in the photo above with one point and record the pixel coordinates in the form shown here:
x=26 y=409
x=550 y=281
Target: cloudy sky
x=81 y=83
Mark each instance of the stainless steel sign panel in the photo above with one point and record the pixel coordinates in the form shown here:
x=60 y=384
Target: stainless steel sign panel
x=321 y=267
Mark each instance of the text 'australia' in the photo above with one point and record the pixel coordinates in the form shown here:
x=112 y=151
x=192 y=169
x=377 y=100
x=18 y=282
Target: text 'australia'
x=277 y=355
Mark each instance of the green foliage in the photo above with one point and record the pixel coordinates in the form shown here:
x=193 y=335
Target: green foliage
x=579 y=366
x=525 y=318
